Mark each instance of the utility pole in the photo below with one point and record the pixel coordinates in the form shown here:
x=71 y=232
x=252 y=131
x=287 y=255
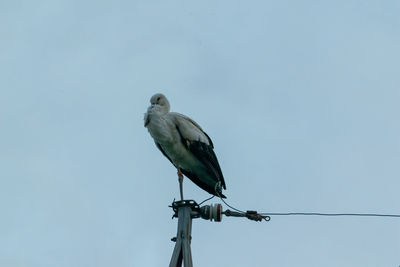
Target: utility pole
x=186 y=210
x=182 y=249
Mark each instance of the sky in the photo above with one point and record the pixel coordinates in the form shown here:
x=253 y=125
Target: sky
x=301 y=100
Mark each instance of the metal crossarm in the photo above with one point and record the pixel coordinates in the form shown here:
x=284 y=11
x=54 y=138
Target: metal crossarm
x=185 y=211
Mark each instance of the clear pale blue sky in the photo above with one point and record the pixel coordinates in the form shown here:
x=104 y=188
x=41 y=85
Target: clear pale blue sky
x=301 y=99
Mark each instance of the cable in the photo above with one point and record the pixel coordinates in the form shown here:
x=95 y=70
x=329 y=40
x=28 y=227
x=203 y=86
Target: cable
x=309 y=213
x=232 y=207
x=206 y=200
x=329 y=214
x=217 y=190
x=315 y=213
x=235 y=209
x=250 y=214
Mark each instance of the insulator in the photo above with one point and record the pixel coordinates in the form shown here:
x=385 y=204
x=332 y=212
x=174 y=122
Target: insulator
x=211 y=212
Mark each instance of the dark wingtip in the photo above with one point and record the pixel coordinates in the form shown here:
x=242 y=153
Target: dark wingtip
x=221 y=195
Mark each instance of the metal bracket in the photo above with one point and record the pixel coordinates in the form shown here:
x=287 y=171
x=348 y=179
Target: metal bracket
x=186 y=203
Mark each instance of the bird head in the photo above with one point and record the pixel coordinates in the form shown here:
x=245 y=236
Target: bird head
x=159 y=103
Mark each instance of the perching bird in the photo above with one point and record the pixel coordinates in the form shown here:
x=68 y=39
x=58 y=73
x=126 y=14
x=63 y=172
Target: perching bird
x=185 y=144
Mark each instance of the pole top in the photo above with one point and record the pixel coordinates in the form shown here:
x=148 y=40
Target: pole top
x=186 y=203
x=214 y=212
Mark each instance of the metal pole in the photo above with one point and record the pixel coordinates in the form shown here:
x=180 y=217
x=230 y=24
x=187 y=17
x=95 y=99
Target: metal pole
x=183 y=237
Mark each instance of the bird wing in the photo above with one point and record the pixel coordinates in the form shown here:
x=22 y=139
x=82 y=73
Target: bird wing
x=163 y=152
x=199 y=143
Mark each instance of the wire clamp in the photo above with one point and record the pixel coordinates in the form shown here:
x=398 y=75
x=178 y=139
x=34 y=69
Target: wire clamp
x=255 y=216
x=250 y=214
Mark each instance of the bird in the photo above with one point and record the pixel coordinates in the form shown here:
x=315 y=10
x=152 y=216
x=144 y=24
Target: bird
x=184 y=143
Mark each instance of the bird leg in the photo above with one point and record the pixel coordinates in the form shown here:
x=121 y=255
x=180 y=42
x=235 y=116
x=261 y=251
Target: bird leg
x=180 y=179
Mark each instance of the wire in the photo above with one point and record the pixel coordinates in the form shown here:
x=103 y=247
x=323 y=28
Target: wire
x=310 y=213
x=217 y=190
x=314 y=213
x=329 y=214
x=235 y=209
x=206 y=200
